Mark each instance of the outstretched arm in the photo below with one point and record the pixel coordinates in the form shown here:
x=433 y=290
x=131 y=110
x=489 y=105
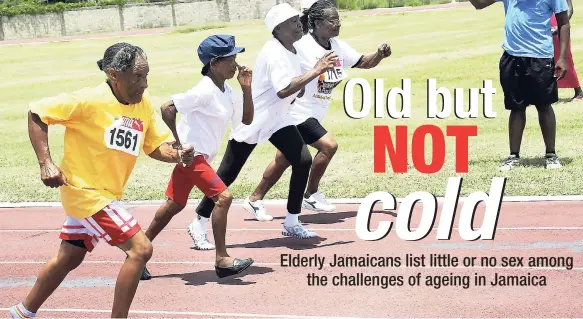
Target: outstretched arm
x=372 y=60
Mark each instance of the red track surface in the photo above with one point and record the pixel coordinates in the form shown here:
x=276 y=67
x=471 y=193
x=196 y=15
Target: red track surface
x=185 y=284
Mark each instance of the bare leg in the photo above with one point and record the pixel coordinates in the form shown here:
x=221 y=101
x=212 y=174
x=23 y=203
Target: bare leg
x=219 y=222
x=52 y=275
x=326 y=147
x=163 y=216
x=516 y=124
x=548 y=126
x=225 y=265
x=139 y=250
x=272 y=174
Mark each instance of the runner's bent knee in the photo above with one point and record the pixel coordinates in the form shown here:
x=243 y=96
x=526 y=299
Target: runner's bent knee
x=225 y=198
x=327 y=145
x=140 y=247
x=330 y=148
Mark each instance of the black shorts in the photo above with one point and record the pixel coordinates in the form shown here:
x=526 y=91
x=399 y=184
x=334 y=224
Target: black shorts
x=311 y=130
x=78 y=243
x=527 y=81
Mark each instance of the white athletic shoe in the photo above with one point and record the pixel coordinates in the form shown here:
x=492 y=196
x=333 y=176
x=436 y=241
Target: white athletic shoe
x=509 y=163
x=14 y=313
x=18 y=313
x=552 y=162
x=298 y=231
x=317 y=202
x=257 y=209
x=197 y=231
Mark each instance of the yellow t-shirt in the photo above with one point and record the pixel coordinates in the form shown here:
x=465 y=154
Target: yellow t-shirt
x=103 y=139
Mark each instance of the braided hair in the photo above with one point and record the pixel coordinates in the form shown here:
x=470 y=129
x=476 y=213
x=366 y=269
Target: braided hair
x=120 y=57
x=315 y=13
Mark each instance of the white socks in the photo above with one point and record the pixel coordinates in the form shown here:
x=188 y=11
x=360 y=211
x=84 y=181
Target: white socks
x=291 y=219
x=19 y=311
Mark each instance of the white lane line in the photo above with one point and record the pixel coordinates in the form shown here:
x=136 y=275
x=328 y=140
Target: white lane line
x=192 y=202
x=112 y=262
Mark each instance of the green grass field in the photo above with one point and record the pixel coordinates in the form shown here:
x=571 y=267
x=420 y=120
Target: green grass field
x=460 y=48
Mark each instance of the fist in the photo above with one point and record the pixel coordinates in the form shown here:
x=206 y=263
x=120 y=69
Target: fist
x=51 y=175
x=384 y=50
x=186 y=154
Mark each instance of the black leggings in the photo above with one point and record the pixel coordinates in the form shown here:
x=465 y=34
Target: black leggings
x=288 y=141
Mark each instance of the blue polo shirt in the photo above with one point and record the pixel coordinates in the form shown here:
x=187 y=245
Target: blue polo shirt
x=527 y=30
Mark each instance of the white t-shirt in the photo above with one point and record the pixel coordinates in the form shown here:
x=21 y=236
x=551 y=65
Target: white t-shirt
x=206 y=112
x=318 y=93
x=273 y=71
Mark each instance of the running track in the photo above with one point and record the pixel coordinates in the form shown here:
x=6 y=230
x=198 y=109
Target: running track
x=185 y=284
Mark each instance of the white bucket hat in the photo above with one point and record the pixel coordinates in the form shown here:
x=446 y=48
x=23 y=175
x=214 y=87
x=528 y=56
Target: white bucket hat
x=278 y=14
x=306 y=4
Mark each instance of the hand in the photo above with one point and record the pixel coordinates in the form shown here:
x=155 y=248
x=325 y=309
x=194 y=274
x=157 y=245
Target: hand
x=51 y=175
x=245 y=76
x=555 y=30
x=561 y=68
x=384 y=51
x=327 y=62
x=186 y=155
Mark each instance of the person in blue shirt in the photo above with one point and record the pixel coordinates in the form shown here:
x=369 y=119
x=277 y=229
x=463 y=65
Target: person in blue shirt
x=528 y=72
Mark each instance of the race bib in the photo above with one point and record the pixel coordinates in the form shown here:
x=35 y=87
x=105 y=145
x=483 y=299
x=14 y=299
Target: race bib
x=335 y=75
x=126 y=135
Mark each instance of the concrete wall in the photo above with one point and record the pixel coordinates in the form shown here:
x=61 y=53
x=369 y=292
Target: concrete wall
x=134 y=16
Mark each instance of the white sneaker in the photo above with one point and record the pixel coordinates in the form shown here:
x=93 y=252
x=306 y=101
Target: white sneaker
x=297 y=230
x=18 y=313
x=317 y=202
x=199 y=236
x=509 y=163
x=552 y=161
x=257 y=209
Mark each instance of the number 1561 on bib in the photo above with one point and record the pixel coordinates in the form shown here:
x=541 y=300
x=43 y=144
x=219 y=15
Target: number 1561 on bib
x=123 y=138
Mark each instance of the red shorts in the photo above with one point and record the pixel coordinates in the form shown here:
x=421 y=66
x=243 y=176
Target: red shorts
x=113 y=223
x=199 y=174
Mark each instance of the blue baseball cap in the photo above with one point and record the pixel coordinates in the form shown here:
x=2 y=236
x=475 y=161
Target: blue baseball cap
x=217 y=46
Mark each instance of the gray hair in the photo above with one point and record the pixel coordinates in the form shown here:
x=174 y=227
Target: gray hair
x=120 y=57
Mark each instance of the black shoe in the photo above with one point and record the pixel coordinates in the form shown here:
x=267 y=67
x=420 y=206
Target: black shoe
x=239 y=265
x=145 y=274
